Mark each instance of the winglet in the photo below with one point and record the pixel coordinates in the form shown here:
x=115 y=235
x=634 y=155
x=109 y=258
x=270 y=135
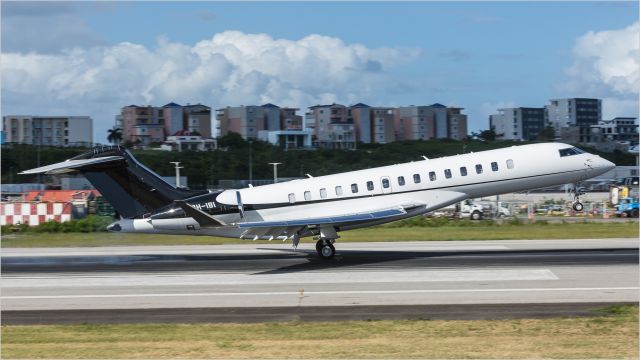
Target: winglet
x=201 y=217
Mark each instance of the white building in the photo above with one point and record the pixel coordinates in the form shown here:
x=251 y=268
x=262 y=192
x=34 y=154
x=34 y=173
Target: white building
x=183 y=140
x=48 y=130
x=288 y=139
x=574 y=111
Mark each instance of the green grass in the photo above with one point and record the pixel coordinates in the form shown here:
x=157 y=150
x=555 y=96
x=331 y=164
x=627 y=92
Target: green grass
x=614 y=335
x=481 y=231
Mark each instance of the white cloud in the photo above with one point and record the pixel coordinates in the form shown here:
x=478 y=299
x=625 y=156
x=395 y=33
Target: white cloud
x=231 y=68
x=607 y=65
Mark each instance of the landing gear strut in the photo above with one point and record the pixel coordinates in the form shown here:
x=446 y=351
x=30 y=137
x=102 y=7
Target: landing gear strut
x=577 y=192
x=325 y=248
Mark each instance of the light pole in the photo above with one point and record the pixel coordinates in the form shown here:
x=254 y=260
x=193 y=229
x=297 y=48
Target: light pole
x=178 y=167
x=275 y=171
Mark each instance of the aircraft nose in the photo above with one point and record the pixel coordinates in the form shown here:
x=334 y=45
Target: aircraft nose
x=606 y=164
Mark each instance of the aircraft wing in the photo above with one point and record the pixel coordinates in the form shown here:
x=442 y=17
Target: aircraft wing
x=71 y=165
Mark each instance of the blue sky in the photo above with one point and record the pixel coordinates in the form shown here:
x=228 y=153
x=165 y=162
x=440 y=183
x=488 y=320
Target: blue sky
x=478 y=55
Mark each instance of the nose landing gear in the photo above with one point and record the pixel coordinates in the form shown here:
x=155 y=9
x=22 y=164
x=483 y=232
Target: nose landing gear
x=577 y=192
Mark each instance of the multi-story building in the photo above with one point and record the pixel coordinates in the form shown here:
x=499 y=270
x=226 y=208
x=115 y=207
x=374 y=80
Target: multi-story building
x=382 y=125
x=414 y=123
x=48 y=130
x=520 y=124
x=620 y=129
x=574 y=111
x=244 y=120
x=332 y=126
x=197 y=120
x=144 y=125
x=457 y=122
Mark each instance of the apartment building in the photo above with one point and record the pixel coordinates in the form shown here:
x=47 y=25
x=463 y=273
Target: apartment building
x=151 y=124
x=518 y=124
x=244 y=120
x=332 y=126
x=48 y=130
x=457 y=122
x=574 y=111
x=414 y=123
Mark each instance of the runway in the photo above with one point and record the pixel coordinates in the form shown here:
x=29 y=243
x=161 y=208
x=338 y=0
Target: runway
x=370 y=279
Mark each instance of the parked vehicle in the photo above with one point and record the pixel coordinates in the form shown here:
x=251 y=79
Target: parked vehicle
x=628 y=207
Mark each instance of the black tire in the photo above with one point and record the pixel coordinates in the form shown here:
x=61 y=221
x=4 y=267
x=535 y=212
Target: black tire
x=476 y=215
x=577 y=206
x=327 y=251
x=634 y=213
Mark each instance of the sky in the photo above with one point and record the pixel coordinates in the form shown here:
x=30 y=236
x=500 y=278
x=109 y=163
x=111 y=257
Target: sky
x=92 y=58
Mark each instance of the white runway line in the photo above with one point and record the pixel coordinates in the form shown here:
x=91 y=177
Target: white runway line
x=309 y=277
x=308 y=293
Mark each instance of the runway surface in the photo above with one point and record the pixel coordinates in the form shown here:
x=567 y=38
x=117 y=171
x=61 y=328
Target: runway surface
x=272 y=281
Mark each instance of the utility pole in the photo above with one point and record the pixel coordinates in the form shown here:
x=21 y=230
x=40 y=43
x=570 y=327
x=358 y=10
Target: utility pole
x=178 y=167
x=275 y=171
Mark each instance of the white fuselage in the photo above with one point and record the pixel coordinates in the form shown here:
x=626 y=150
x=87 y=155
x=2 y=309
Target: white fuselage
x=423 y=186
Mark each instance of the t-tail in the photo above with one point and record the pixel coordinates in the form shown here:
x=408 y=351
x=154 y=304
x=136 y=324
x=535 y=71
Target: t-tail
x=130 y=187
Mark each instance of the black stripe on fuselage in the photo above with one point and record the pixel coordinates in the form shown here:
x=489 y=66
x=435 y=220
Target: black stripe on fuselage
x=286 y=204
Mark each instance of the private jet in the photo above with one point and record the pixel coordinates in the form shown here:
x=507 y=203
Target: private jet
x=323 y=206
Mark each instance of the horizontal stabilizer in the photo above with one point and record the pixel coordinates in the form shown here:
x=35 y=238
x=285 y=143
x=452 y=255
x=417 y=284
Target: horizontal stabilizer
x=327 y=220
x=71 y=165
x=204 y=219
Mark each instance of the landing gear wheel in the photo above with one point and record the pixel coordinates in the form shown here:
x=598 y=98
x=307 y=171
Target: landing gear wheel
x=577 y=206
x=325 y=249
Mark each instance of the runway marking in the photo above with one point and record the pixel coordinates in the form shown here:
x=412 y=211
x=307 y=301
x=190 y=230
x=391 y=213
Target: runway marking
x=311 y=277
x=340 y=292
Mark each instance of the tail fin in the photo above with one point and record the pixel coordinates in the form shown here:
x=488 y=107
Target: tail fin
x=130 y=187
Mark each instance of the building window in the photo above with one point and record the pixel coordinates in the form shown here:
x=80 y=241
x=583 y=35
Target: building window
x=370 y=185
x=338 y=190
x=354 y=188
x=292 y=198
x=447 y=173
x=401 y=180
x=463 y=171
x=494 y=166
x=509 y=164
x=416 y=178
x=307 y=195
x=479 y=169
x=432 y=175
x=323 y=193
x=385 y=183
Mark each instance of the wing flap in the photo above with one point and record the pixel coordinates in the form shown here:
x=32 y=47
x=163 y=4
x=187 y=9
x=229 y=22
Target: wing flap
x=71 y=165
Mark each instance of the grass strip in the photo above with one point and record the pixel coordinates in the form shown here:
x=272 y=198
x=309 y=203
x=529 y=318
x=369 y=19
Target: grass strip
x=611 y=333
x=380 y=233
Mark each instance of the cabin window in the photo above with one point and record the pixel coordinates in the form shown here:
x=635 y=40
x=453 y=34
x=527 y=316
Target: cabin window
x=385 y=183
x=432 y=175
x=463 y=171
x=292 y=198
x=509 y=164
x=494 y=166
x=479 y=169
x=323 y=193
x=370 y=185
x=447 y=173
x=307 y=195
x=354 y=188
x=416 y=178
x=338 y=190
x=401 y=180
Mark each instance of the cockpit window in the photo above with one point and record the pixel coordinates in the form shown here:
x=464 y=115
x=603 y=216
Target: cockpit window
x=570 y=151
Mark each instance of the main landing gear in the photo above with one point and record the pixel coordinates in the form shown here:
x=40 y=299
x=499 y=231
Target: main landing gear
x=324 y=246
x=577 y=192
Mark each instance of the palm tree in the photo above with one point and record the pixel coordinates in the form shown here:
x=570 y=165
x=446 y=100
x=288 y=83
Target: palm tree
x=115 y=136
